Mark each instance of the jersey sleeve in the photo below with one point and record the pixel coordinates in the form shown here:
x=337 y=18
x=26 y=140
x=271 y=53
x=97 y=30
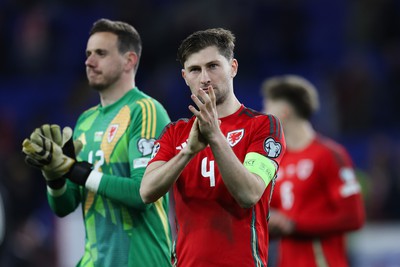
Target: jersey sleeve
x=343 y=190
x=67 y=202
x=268 y=139
x=147 y=123
x=164 y=148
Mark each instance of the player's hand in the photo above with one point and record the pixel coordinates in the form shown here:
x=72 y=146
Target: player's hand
x=207 y=114
x=196 y=141
x=47 y=155
x=64 y=139
x=279 y=224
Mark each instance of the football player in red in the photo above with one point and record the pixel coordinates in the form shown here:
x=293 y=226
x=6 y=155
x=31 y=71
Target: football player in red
x=221 y=163
x=316 y=199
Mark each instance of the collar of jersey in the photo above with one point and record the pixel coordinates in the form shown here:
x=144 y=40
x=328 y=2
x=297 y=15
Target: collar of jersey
x=120 y=102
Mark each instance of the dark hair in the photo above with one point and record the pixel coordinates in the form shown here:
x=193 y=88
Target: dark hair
x=297 y=91
x=223 y=39
x=128 y=37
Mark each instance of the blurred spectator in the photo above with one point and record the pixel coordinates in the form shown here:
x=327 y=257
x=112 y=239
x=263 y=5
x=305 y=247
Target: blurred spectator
x=384 y=174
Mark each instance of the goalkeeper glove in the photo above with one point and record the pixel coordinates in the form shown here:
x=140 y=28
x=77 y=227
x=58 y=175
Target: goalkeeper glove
x=43 y=150
x=55 y=163
x=64 y=139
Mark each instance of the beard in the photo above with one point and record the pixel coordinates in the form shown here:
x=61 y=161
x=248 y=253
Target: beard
x=220 y=97
x=105 y=83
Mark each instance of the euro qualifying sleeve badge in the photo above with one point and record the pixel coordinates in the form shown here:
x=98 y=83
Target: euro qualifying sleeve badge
x=272 y=148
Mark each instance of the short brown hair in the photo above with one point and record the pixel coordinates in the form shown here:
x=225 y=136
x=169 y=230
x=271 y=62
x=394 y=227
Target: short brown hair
x=223 y=39
x=296 y=90
x=128 y=37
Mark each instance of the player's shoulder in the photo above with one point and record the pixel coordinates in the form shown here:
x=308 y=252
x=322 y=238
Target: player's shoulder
x=327 y=142
x=249 y=112
x=177 y=126
x=257 y=115
x=88 y=112
x=179 y=123
x=147 y=100
x=329 y=146
x=141 y=103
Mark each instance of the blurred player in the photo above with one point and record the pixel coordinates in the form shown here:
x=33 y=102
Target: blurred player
x=220 y=162
x=316 y=199
x=117 y=136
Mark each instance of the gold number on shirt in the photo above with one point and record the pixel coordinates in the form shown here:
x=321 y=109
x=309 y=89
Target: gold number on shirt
x=208 y=173
x=287 y=196
x=99 y=159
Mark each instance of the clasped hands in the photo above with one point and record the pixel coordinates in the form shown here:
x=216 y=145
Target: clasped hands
x=206 y=124
x=54 y=152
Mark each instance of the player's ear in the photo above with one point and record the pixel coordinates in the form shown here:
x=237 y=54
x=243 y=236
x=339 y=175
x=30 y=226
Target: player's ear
x=184 y=76
x=234 y=67
x=132 y=60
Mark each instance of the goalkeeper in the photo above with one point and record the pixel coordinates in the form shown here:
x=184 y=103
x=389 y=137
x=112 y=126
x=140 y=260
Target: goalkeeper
x=103 y=168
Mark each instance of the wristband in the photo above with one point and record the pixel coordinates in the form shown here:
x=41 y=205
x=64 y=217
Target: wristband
x=56 y=183
x=79 y=172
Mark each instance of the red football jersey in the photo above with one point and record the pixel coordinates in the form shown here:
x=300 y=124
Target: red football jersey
x=318 y=189
x=212 y=229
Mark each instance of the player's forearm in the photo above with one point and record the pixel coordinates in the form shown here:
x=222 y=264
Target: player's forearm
x=160 y=176
x=64 y=201
x=348 y=218
x=245 y=187
x=121 y=189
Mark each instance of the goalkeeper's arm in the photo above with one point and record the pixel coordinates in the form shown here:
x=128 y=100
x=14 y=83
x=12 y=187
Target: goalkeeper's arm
x=56 y=166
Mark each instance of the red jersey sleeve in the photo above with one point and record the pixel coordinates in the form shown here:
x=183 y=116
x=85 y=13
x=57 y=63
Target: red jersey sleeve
x=164 y=149
x=268 y=138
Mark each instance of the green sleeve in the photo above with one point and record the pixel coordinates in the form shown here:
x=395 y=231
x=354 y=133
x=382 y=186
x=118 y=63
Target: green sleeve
x=67 y=202
x=125 y=191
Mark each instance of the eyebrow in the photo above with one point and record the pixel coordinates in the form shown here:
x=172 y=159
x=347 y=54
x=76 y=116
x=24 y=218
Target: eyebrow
x=97 y=50
x=216 y=61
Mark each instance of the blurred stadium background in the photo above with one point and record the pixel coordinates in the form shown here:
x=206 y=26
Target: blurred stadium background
x=349 y=49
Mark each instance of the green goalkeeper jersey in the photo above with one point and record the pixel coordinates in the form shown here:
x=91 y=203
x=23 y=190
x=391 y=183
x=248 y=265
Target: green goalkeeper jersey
x=120 y=229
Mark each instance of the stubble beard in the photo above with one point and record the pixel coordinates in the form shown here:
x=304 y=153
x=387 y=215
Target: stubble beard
x=220 y=97
x=107 y=82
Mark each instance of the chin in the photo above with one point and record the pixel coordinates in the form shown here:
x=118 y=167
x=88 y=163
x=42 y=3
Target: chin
x=97 y=87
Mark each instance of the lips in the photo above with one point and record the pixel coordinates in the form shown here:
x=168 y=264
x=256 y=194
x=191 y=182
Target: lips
x=92 y=73
x=205 y=89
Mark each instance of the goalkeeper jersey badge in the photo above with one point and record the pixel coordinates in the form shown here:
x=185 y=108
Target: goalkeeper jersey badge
x=112 y=132
x=234 y=137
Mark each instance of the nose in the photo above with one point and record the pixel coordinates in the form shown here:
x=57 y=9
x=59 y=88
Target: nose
x=204 y=78
x=89 y=62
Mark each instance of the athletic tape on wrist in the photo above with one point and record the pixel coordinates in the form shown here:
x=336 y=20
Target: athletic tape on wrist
x=260 y=165
x=57 y=192
x=93 y=181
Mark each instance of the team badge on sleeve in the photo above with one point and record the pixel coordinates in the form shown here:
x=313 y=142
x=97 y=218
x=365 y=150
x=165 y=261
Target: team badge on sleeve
x=272 y=148
x=234 y=137
x=145 y=146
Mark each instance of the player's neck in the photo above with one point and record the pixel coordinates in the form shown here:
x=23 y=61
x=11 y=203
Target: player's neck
x=228 y=107
x=113 y=93
x=298 y=135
